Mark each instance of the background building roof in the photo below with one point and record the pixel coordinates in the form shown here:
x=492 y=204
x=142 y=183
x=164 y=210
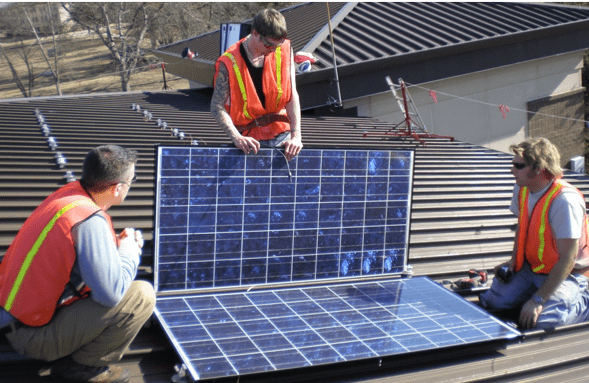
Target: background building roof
x=419 y=42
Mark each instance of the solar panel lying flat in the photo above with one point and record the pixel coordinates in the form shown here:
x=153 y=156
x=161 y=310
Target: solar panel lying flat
x=227 y=219
x=251 y=332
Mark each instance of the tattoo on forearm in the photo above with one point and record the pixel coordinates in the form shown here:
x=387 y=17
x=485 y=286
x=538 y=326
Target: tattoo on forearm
x=220 y=94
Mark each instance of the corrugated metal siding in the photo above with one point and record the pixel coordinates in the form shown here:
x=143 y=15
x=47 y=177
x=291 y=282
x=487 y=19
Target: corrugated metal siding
x=460 y=217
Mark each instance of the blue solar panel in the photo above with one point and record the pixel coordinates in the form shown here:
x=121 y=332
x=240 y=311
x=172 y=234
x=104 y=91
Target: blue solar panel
x=230 y=334
x=227 y=219
x=224 y=219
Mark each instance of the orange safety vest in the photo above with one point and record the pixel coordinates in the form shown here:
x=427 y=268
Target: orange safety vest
x=37 y=266
x=244 y=105
x=536 y=243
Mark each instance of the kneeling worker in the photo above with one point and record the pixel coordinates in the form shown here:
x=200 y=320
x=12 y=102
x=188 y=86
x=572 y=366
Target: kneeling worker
x=550 y=260
x=67 y=289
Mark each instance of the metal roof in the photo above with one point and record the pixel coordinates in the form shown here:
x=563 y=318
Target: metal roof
x=460 y=218
x=375 y=30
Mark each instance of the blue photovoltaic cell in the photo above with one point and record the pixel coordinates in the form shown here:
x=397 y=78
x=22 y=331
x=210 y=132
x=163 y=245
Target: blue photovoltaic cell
x=230 y=334
x=224 y=218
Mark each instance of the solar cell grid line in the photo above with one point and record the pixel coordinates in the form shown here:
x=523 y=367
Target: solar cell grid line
x=241 y=333
x=227 y=219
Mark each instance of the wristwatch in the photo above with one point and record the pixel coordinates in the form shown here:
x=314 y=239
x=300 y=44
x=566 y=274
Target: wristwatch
x=538 y=299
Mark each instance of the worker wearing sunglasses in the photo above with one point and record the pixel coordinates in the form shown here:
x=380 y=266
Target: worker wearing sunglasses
x=255 y=100
x=550 y=258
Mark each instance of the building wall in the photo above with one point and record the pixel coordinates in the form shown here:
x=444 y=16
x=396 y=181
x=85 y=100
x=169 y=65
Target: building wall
x=467 y=106
x=567 y=134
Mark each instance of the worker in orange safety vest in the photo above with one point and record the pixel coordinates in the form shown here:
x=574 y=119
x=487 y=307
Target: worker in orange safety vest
x=546 y=277
x=255 y=98
x=67 y=288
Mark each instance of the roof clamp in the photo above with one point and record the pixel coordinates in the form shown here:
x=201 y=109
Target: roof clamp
x=60 y=160
x=147 y=115
x=51 y=142
x=69 y=176
x=181 y=375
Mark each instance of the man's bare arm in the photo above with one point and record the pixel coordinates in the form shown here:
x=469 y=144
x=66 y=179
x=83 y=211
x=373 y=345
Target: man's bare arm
x=221 y=93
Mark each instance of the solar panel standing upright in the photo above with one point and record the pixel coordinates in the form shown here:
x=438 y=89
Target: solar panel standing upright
x=264 y=265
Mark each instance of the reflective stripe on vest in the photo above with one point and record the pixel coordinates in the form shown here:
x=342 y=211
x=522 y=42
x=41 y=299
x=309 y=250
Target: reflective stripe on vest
x=543 y=220
x=278 y=56
x=240 y=82
x=523 y=202
x=36 y=246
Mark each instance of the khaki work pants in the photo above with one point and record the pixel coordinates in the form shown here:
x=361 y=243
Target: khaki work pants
x=93 y=334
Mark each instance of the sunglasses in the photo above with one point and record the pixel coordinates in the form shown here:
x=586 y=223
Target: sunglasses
x=519 y=165
x=269 y=44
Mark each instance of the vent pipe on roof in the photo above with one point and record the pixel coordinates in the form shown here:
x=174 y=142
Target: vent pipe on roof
x=337 y=103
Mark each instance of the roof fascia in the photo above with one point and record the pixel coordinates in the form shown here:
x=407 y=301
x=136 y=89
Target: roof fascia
x=187 y=68
x=367 y=78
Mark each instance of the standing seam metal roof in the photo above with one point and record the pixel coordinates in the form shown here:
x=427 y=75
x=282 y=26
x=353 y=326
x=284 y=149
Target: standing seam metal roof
x=381 y=29
x=372 y=30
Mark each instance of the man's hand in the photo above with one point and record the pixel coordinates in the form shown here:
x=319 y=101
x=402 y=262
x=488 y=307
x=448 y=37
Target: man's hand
x=529 y=315
x=131 y=233
x=247 y=144
x=292 y=147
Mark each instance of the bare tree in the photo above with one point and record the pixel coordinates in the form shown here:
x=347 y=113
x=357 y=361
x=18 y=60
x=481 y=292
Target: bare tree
x=176 y=22
x=121 y=27
x=179 y=21
x=12 y=20
x=15 y=75
x=52 y=69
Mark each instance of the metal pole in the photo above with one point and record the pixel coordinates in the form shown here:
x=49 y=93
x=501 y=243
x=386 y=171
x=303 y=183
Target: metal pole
x=339 y=93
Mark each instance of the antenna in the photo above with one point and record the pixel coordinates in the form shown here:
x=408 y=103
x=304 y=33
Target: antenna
x=412 y=119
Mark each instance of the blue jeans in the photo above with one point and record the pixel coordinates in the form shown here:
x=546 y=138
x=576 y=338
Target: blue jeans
x=568 y=305
x=276 y=141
